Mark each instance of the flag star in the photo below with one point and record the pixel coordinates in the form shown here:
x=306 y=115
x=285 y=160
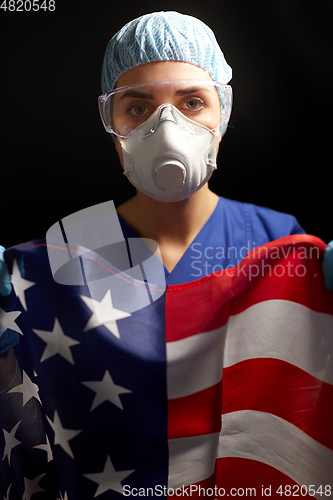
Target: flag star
x=10 y=441
x=104 y=314
x=62 y=435
x=46 y=447
x=28 y=389
x=7 y=320
x=109 y=479
x=20 y=284
x=57 y=343
x=31 y=487
x=106 y=390
x=7 y=495
x=65 y=497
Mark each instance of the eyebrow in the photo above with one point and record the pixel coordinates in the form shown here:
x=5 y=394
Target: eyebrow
x=191 y=90
x=136 y=93
x=145 y=95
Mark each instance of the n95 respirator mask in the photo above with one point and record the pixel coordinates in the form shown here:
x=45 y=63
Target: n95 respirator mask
x=169 y=156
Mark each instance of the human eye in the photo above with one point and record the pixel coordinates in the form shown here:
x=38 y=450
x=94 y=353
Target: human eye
x=137 y=110
x=194 y=104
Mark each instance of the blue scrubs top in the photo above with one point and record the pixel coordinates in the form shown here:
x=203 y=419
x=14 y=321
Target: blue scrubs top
x=233 y=229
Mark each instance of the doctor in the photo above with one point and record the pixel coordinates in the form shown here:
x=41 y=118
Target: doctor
x=166 y=101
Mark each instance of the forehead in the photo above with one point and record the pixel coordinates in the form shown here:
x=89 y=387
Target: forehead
x=162 y=71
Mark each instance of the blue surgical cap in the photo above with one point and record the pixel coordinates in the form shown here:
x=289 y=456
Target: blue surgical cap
x=163 y=36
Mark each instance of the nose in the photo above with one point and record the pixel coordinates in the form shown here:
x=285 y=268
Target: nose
x=167 y=113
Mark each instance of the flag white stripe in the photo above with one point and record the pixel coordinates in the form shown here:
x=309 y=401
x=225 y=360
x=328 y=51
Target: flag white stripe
x=269 y=439
x=195 y=363
x=283 y=330
x=192 y=459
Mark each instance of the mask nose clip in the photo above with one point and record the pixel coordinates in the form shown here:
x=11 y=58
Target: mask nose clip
x=167 y=113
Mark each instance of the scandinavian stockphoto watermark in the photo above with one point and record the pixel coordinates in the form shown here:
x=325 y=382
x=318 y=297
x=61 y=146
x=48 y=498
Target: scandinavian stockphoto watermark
x=265 y=490
x=220 y=260
x=187 y=491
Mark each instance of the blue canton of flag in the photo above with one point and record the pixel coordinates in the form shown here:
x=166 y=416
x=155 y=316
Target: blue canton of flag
x=87 y=410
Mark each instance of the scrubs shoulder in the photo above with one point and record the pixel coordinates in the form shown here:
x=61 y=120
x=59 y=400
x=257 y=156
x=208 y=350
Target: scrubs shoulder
x=245 y=222
x=234 y=229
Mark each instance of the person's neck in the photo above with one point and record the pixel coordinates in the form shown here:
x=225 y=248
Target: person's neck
x=174 y=223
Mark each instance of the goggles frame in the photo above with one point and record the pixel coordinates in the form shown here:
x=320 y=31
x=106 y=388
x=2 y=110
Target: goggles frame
x=224 y=94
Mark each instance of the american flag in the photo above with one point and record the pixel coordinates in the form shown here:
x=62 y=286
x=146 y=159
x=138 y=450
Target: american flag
x=220 y=387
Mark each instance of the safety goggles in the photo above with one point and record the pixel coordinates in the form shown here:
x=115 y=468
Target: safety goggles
x=205 y=102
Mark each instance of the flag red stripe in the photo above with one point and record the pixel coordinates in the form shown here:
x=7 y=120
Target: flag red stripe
x=245 y=473
x=276 y=387
x=197 y=414
x=287 y=278
x=208 y=301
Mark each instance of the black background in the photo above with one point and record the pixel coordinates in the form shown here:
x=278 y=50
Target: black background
x=57 y=159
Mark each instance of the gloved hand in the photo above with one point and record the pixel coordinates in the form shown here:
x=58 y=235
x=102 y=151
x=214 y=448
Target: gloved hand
x=328 y=267
x=9 y=338
x=5 y=283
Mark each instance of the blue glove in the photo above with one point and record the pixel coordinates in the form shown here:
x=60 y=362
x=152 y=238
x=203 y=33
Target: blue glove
x=328 y=267
x=5 y=283
x=9 y=338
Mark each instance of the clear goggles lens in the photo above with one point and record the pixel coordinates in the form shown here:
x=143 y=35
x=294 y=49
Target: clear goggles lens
x=124 y=109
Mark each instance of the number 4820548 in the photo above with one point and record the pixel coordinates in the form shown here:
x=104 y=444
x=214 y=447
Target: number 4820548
x=296 y=490
x=27 y=5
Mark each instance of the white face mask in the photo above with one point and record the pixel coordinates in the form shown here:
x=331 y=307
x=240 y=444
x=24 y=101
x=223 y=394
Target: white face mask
x=169 y=156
